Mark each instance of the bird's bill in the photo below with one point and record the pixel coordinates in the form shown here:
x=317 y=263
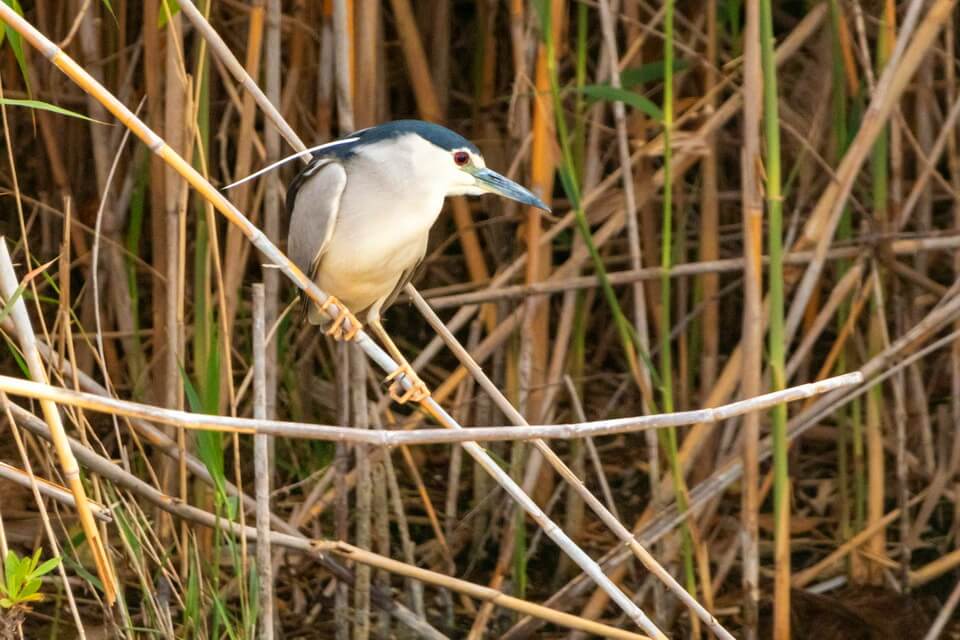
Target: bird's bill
x=493 y=182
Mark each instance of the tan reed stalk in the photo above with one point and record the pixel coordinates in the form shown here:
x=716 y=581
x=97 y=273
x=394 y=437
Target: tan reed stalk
x=273 y=199
x=236 y=249
x=596 y=428
x=361 y=513
x=439 y=298
x=262 y=466
x=51 y=490
x=753 y=325
x=710 y=219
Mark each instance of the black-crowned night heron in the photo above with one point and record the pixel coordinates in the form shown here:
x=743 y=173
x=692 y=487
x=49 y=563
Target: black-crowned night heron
x=361 y=213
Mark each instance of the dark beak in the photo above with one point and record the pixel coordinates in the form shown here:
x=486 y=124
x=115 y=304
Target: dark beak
x=495 y=183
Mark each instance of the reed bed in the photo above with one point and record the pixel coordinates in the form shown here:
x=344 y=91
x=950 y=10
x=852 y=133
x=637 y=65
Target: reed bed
x=752 y=259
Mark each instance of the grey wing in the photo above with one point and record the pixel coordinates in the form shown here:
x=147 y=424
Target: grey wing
x=405 y=277
x=313 y=203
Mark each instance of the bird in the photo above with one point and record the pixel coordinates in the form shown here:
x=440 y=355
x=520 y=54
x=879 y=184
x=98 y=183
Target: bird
x=360 y=214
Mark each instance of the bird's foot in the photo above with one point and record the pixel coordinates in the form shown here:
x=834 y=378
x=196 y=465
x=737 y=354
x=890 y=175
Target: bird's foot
x=336 y=329
x=418 y=391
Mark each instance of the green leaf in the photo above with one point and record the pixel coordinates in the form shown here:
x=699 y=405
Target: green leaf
x=6 y=603
x=81 y=571
x=209 y=443
x=168 y=9
x=11 y=566
x=211 y=384
x=34 y=560
x=647 y=73
x=47 y=567
x=16 y=43
x=629 y=98
x=109 y=7
x=46 y=106
x=544 y=17
x=30 y=589
x=19 y=358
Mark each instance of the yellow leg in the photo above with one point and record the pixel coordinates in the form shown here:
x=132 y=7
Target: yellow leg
x=335 y=330
x=418 y=391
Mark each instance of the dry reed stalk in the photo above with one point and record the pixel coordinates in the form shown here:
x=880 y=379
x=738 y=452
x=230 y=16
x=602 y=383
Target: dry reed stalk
x=630 y=201
x=113 y=218
x=341 y=464
x=710 y=217
x=423 y=89
x=753 y=325
x=440 y=299
x=273 y=199
x=262 y=466
x=363 y=492
x=343 y=63
x=945 y=614
x=367 y=69
x=247 y=426
x=68 y=463
x=406 y=542
x=236 y=249
x=51 y=490
x=636 y=258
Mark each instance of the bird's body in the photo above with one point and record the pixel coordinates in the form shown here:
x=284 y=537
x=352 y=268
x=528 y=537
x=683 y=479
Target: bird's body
x=361 y=211
x=373 y=251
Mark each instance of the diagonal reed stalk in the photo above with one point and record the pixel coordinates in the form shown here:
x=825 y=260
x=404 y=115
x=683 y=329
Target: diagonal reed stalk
x=157 y=145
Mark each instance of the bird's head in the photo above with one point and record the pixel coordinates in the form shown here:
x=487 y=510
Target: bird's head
x=449 y=160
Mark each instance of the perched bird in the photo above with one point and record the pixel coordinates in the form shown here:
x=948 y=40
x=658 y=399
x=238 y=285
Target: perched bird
x=361 y=212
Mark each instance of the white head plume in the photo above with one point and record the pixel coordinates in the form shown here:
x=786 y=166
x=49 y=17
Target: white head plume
x=294 y=156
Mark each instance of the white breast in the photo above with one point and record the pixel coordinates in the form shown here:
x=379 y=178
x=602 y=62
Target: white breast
x=381 y=231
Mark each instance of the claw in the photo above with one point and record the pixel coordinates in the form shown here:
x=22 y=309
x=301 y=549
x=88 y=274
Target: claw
x=418 y=391
x=335 y=330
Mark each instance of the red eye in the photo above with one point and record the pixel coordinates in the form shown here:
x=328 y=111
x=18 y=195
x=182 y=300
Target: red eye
x=461 y=158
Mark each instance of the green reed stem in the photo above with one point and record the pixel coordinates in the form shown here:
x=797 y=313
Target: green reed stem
x=777 y=348
x=668 y=437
